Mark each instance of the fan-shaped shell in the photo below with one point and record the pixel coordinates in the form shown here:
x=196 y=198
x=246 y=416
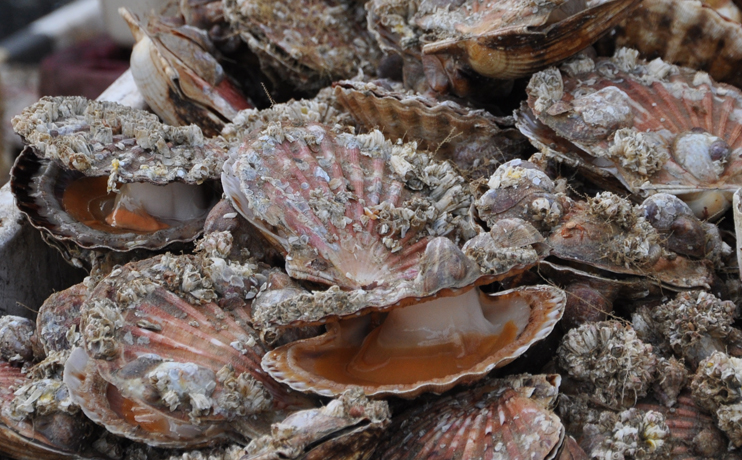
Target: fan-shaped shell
x=163 y=363
x=653 y=126
x=81 y=150
x=663 y=28
x=502 y=419
x=474 y=140
x=391 y=361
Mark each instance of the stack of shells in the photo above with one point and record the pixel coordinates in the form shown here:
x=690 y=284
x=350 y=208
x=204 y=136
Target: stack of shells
x=399 y=230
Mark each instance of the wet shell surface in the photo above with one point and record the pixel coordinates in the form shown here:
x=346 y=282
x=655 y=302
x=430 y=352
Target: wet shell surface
x=163 y=363
x=474 y=140
x=176 y=71
x=653 y=126
x=431 y=346
x=663 y=28
x=504 y=418
x=308 y=42
x=81 y=151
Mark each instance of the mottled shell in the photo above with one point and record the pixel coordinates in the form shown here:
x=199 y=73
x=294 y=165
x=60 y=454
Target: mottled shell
x=308 y=43
x=474 y=140
x=608 y=233
x=285 y=363
x=163 y=363
x=505 y=418
x=70 y=138
x=58 y=321
x=664 y=28
x=176 y=71
x=653 y=126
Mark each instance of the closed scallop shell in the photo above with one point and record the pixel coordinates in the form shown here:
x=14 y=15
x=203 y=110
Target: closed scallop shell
x=80 y=151
x=345 y=355
x=653 y=126
x=163 y=363
x=663 y=28
x=503 y=418
x=58 y=321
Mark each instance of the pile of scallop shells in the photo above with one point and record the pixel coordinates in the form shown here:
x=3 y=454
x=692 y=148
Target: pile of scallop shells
x=279 y=250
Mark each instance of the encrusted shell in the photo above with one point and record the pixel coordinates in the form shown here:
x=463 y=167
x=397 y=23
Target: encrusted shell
x=474 y=140
x=308 y=43
x=506 y=418
x=520 y=317
x=18 y=342
x=71 y=138
x=653 y=126
x=58 y=321
x=663 y=28
x=163 y=363
x=176 y=71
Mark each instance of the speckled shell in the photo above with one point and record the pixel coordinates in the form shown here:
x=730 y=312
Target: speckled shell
x=502 y=419
x=71 y=137
x=177 y=73
x=157 y=320
x=653 y=126
x=547 y=306
x=308 y=43
x=590 y=237
x=58 y=321
x=663 y=28
x=474 y=140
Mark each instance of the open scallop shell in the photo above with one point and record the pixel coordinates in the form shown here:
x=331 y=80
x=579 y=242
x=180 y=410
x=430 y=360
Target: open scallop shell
x=352 y=353
x=175 y=69
x=164 y=364
x=88 y=149
x=653 y=126
x=663 y=28
x=504 y=418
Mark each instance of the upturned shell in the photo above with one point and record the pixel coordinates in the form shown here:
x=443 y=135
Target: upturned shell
x=80 y=150
x=163 y=363
x=177 y=73
x=447 y=42
x=662 y=28
x=653 y=126
x=308 y=43
x=504 y=418
x=430 y=346
x=474 y=140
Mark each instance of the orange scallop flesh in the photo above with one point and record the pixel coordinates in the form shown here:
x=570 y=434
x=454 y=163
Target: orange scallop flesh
x=88 y=201
x=435 y=341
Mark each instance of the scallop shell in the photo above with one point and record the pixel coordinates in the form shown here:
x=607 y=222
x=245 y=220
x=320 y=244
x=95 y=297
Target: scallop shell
x=320 y=365
x=653 y=126
x=71 y=139
x=308 y=43
x=175 y=69
x=609 y=234
x=164 y=364
x=445 y=42
x=58 y=321
x=663 y=28
x=496 y=420
x=474 y=140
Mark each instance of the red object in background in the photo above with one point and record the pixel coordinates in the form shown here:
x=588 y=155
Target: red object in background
x=85 y=69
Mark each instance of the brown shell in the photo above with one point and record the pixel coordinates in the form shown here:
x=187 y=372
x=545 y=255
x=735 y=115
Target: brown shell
x=308 y=43
x=495 y=420
x=176 y=70
x=474 y=140
x=289 y=364
x=156 y=320
x=71 y=139
x=663 y=28
x=58 y=321
x=653 y=126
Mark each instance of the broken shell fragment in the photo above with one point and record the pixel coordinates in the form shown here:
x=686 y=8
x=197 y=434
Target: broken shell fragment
x=430 y=346
x=652 y=126
x=163 y=363
x=81 y=151
x=503 y=418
